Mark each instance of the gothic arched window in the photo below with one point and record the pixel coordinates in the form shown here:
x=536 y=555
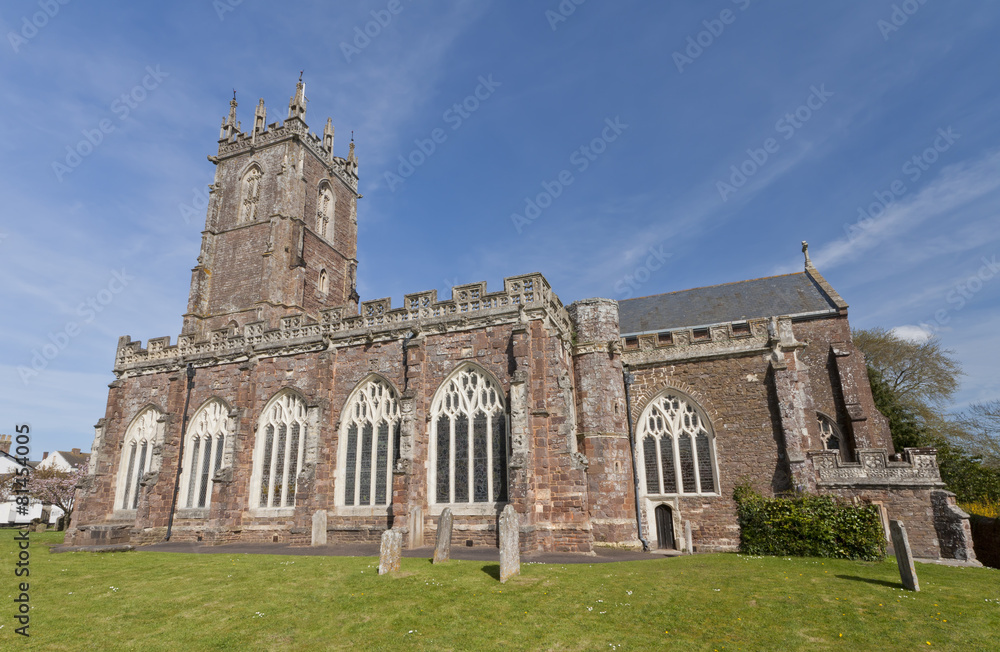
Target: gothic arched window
x=677 y=447
x=249 y=194
x=829 y=433
x=324 y=281
x=136 y=459
x=468 y=440
x=206 y=438
x=369 y=444
x=324 y=211
x=281 y=434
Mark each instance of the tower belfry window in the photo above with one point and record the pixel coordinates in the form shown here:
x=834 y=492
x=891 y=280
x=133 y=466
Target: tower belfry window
x=250 y=194
x=324 y=212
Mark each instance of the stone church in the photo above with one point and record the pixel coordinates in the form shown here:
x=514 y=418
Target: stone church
x=287 y=401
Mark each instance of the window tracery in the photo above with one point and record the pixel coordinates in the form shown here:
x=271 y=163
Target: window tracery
x=324 y=212
x=829 y=433
x=677 y=447
x=250 y=192
x=469 y=440
x=206 y=439
x=136 y=459
x=369 y=439
x=281 y=435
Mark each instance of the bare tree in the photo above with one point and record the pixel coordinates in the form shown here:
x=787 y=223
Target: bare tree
x=921 y=375
x=980 y=431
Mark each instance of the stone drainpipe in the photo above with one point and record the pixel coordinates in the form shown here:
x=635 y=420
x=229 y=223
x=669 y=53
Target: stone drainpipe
x=629 y=378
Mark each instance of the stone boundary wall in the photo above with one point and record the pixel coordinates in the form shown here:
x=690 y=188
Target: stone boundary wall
x=986 y=539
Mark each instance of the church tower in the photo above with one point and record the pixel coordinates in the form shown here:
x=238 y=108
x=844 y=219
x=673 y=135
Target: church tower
x=281 y=230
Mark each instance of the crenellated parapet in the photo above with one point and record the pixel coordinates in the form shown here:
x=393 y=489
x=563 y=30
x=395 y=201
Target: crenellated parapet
x=524 y=298
x=875 y=468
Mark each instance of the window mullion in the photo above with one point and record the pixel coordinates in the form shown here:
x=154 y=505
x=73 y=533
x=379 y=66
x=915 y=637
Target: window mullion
x=490 y=495
x=659 y=465
x=694 y=457
x=678 y=480
x=451 y=458
x=272 y=464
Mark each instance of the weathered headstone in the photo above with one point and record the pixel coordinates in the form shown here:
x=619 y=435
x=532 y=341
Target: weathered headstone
x=688 y=542
x=904 y=558
x=416 y=523
x=319 y=528
x=442 y=550
x=510 y=544
x=390 y=552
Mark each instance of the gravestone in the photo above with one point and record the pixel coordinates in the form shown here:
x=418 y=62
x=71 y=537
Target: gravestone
x=510 y=544
x=390 y=551
x=319 y=528
x=687 y=538
x=442 y=550
x=416 y=523
x=904 y=558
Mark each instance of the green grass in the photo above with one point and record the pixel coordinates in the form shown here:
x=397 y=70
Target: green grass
x=175 y=602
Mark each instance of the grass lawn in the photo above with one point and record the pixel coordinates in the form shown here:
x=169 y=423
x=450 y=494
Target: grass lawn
x=162 y=601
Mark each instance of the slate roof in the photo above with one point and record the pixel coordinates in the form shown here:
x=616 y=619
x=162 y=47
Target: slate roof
x=786 y=295
x=74 y=459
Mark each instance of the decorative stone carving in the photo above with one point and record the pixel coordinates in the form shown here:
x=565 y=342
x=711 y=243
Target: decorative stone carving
x=510 y=544
x=390 y=551
x=918 y=468
x=442 y=549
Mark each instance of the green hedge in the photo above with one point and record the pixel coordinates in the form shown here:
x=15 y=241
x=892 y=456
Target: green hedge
x=808 y=526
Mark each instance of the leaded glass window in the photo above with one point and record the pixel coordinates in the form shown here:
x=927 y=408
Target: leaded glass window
x=469 y=440
x=281 y=436
x=677 y=447
x=136 y=458
x=369 y=443
x=206 y=436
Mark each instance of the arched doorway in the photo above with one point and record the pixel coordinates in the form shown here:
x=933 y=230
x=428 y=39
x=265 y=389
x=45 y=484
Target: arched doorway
x=665 y=527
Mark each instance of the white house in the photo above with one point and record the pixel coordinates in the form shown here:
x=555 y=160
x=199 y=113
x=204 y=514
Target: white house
x=63 y=460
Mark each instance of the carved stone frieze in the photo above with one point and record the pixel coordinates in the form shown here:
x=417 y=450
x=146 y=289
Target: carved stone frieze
x=875 y=468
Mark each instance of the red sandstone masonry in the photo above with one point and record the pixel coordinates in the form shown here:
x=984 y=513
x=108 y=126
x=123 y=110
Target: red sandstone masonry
x=257 y=324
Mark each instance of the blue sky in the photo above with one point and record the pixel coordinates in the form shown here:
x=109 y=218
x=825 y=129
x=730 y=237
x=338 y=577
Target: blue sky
x=741 y=129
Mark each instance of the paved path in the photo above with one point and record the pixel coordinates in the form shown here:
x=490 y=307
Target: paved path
x=601 y=555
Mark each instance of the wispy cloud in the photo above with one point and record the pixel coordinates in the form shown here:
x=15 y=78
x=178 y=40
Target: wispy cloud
x=956 y=186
